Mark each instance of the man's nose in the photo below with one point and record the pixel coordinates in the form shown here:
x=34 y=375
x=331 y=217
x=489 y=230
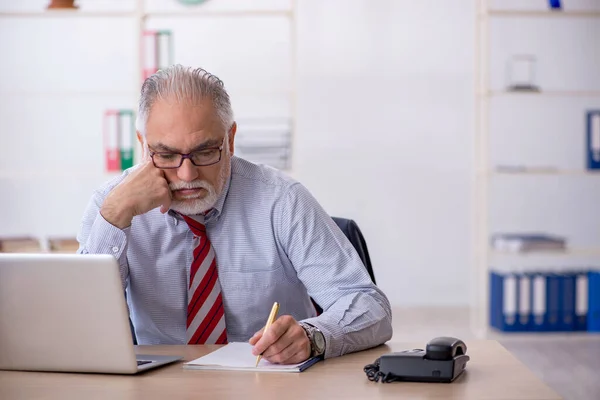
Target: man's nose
x=187 y=172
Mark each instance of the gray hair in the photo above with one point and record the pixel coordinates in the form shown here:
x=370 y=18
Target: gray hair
x=183 y=84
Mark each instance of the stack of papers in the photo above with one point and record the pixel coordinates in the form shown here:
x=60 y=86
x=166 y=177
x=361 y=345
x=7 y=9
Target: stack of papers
x=237 y=356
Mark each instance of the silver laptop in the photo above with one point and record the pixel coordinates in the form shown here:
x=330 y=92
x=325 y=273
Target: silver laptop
x=66 y=312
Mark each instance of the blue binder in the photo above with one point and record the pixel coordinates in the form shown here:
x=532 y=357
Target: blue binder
x=496 y=300
x=547 y=302
x=554 y=4
x=567 y=302
x=581 y=300
x=553 y=301
x=593 y=140
x=524 y=302
x=594 y=301
x=539 y=303
x=510 y=309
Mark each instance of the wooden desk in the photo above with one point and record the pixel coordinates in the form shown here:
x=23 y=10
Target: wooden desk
x=492 y=373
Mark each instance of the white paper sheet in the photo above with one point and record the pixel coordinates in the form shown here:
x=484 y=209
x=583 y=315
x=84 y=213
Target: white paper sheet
x=237 y=356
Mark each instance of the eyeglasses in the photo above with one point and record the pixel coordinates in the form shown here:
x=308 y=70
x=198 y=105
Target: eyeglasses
x=200 y=158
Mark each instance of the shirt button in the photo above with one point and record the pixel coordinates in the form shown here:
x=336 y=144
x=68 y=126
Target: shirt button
x=115 y=249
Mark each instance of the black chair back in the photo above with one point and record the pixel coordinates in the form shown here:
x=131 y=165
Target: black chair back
x=353 y=233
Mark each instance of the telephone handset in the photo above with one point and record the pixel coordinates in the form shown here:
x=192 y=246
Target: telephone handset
x=445 y=348
x=443 y=360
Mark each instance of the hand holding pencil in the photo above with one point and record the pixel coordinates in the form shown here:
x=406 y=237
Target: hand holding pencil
x=281 y=341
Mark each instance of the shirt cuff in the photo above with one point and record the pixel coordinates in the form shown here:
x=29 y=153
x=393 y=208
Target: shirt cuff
x=333 y=333
x=106 y=238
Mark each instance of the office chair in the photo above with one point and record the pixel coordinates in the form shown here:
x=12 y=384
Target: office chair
x=354 y=235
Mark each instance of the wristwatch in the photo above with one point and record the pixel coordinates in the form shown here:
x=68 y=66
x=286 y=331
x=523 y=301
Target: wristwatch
x=316 y=337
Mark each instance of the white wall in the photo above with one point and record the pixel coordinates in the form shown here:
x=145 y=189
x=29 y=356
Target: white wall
x=385 y=133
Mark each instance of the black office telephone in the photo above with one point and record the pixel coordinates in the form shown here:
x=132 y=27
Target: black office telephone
x=443 y=360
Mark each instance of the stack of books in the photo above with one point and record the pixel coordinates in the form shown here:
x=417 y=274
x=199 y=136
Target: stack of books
x=63 y=245
x=20 y=245
x=528 y=242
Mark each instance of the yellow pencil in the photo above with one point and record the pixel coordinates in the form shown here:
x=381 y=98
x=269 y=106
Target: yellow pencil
x=270 y=320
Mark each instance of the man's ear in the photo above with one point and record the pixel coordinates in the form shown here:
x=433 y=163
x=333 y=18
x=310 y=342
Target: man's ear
x=231 y=138
x=142 y=141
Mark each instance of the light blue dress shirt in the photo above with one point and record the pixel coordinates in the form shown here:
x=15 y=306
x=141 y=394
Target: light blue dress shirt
x=273 y=242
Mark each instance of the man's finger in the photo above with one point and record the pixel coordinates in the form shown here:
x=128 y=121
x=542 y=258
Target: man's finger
x=275 y=331
x=165 y=205
x=256 y=337
x=299 y=357
x=280 y=351
x=167 y=198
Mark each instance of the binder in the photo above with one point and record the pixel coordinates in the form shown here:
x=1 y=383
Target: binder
x=157 y=51
x=554 y=4
x=553 y=301
x=506 y=308
x=593 y=139
x=164 y=44
x=524 y=298
x=594 y=301
x=126 y=138
x=538 y=304
x=567 y=302
x=495 y=300
x=149 y=54
x=547 y=302
x=581 y=300
x=111 y=141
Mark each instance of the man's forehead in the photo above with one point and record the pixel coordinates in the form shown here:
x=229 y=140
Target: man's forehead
x=181 y=117
x=173 y=105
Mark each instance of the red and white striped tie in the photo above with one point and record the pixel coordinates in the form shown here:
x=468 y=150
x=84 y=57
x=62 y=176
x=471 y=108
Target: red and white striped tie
x=205 y=314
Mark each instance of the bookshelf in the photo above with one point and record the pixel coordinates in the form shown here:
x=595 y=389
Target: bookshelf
x=579 y=252
x=541 y=14
x=543 y=171
x=486 y=92
x=553 y=93
x=78 y=77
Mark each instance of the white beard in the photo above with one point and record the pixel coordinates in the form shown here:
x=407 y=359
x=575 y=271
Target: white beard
x=193 y=205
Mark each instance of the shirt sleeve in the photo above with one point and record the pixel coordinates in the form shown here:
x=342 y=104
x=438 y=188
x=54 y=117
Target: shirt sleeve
x=356 y=313
x=98 y=236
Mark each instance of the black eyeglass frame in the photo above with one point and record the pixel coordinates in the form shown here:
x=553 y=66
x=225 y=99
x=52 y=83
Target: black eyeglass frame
x=188 y=156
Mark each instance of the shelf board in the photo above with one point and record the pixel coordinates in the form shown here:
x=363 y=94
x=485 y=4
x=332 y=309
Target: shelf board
x=68 y=93
x=549 y=93
x=544 y=171
x=66 y=174
x=183 y=13
x=207 y=13
x=76 y=13
x=544 y=14
x=582 y=252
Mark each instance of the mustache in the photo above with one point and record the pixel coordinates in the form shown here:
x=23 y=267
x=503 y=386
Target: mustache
x=189 y=185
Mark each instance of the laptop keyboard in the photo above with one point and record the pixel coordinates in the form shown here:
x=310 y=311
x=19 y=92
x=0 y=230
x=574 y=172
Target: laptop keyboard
x=143 y=362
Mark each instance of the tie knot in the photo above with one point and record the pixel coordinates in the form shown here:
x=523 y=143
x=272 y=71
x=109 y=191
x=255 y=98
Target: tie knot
x=196 y=224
